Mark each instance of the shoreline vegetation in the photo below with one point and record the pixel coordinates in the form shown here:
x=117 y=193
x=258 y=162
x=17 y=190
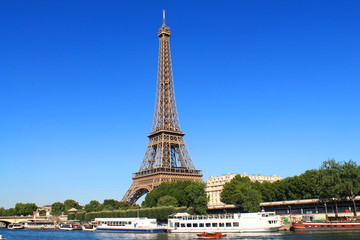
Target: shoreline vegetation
x=331 y=180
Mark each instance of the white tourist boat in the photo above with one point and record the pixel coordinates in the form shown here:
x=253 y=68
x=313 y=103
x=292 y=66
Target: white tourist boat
x=39 y=225
x=70 y=226
x=224 y=223
x=145 y=225
x=15 y=226
x=88 y=227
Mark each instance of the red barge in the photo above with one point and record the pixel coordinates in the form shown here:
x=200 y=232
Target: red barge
x=305 y=226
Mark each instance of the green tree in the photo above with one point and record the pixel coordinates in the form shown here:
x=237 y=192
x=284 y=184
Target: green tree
x=200 y=204
x=2 y=211
x=330 y=181
x=196 y=196
x=69 y=204
x=111 y=204
x=267 y=189
x=350 y=181
x=57 y=208
x=187 y=193
x=10 y=212
x=93 y=206
x=127 y=205
x=167 y=201
x=25 y=209
x=240 y=190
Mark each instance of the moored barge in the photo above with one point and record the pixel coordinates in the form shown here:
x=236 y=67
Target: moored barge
x=322 y=226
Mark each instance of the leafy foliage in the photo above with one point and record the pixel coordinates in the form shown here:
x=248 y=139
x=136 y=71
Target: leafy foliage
x=25 y=209
x=2 y=211
x=167 y=201
x=57 y=208
x=93 y=206
x=332 y=179
x=240 y=190
x=69 y=204
x=187 y=193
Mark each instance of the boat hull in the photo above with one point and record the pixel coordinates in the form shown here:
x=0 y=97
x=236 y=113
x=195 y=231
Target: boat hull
x=224 y=223
x=323 y=226
x=13 y=227
x=223 y=230
x=88 y=228
x=41 y=228
x=128 y=225
x=130 y=230
x=70 y=229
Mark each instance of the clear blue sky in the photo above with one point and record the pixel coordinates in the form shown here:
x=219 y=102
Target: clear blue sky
x=262 y=87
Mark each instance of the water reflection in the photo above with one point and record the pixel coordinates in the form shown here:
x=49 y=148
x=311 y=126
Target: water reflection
x=81 y=235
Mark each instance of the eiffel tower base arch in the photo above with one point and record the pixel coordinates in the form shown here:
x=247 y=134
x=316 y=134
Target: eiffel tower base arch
x=145 y=183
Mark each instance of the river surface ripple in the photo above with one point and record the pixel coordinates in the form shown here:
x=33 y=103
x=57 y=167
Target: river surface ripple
x=82 y=235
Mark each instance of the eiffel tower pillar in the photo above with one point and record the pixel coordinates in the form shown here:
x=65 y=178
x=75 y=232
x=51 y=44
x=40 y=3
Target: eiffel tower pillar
x=166 y=157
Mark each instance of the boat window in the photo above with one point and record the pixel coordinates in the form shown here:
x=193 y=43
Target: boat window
x=188 y=225
x=214 y=224
x=235 y=224
x=201 y=224
x=221 y=224
x=228 y=224
x=177 y=224
x=195 y=225
x=183 y=225
x=208 y=225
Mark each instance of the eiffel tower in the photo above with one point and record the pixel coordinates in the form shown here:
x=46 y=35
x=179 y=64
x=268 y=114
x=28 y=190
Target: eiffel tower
x=166 y=158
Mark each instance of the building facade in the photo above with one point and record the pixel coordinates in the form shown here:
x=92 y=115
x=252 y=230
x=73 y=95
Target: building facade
x=214 y=186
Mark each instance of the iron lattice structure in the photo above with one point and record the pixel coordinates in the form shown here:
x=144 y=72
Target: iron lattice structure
x=166 y=157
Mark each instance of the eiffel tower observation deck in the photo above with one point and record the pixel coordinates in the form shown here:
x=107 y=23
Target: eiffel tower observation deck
x=166 y=157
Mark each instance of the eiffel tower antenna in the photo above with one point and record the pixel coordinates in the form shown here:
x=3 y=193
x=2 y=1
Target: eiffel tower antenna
x=166 y=157
x=164 y=18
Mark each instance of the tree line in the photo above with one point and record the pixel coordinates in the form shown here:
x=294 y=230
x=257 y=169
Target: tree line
x=331 y=180
x=178 y=194
x=20 y=209
x=187 y=194
x=58 y=208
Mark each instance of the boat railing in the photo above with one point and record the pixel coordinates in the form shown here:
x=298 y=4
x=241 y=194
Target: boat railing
x=205 y=217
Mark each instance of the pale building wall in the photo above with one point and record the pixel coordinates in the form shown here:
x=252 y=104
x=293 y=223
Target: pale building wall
x=215 y=185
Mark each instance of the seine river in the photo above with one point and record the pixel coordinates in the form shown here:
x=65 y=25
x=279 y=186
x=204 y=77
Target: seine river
x=81 y=235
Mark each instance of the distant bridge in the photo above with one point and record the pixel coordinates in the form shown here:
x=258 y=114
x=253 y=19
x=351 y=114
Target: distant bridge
x=14 y=219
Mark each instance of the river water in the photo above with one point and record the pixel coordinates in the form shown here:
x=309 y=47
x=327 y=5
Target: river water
x=82 y=235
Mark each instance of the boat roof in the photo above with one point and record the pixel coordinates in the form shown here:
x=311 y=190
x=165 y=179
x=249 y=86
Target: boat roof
x=182 y=214
x=123 y=219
